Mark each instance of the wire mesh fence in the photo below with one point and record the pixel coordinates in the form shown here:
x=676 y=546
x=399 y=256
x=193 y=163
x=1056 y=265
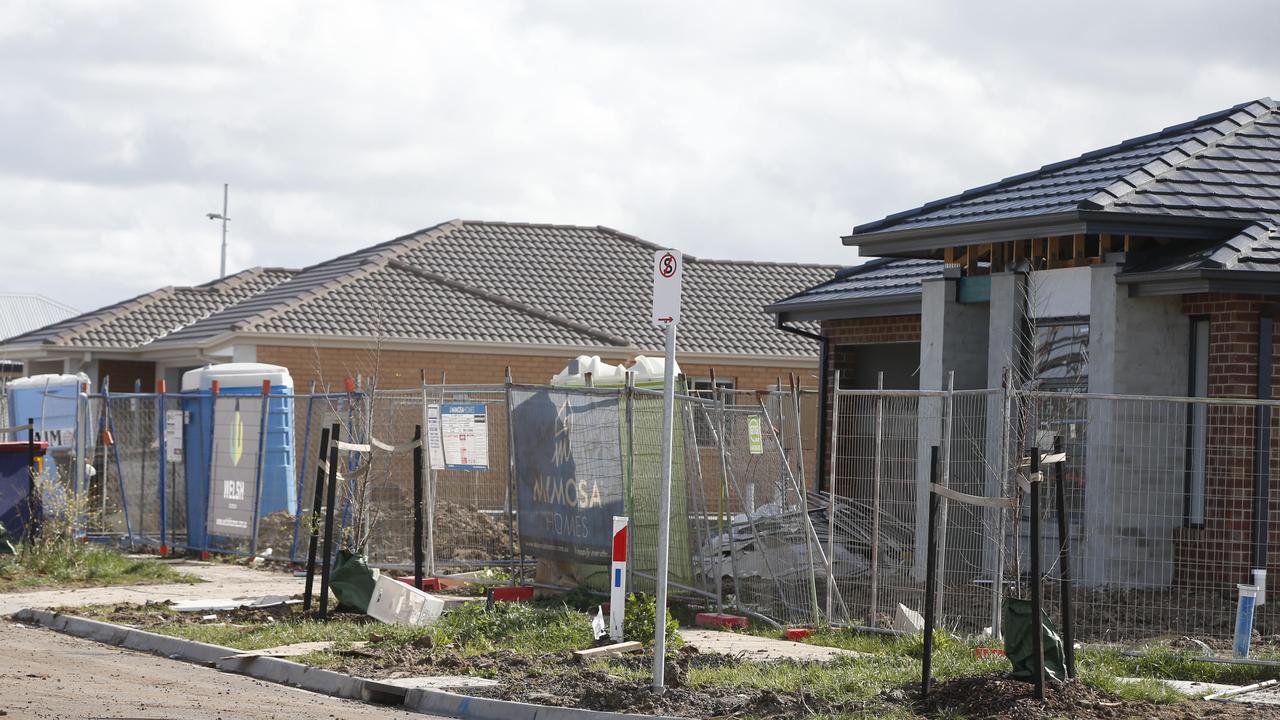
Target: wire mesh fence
x=1169 y=502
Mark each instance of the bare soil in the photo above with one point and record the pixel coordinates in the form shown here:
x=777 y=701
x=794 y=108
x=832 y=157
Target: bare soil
x=558 y=679
x=994 y=696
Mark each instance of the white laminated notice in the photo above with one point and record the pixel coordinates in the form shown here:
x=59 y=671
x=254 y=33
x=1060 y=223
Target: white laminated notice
x=435 y=448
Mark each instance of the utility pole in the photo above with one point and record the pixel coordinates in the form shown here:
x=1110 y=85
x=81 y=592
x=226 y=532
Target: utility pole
x=222 y=272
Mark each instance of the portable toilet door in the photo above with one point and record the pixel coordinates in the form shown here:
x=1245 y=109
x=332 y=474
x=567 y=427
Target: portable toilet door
x=225 y=485
x=53 y=401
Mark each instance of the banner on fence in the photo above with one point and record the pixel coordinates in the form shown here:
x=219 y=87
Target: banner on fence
x=233 y=480
x=569 y=475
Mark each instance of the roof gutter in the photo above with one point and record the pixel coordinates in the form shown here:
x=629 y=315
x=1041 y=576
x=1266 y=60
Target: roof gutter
x=905 y=304
x=1199 y=280
x=1072 y=222
x=824 y=344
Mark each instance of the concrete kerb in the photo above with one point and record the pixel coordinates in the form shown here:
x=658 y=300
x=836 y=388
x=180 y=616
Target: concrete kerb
x=440 y=702
x=327 y=682
x=276 y=670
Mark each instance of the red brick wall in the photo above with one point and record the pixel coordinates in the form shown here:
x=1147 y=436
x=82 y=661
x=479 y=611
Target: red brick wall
x=402 y=369
x=861 y=331
x=1219 y=553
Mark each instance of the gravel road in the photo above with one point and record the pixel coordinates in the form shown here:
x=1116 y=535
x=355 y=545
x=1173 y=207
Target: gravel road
x=44 y=674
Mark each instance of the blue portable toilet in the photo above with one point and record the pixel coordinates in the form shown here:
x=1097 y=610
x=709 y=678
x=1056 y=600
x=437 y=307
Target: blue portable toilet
x=217 y=440
x=53 y=401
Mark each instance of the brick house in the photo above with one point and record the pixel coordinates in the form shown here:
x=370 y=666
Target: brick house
x=1148 y=268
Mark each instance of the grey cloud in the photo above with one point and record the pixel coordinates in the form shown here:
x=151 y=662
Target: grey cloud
x=733 y=129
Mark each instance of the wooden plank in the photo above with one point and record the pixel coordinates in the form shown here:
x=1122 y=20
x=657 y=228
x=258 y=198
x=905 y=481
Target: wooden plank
x=1127 y=243
x=949 y=255
x=608 y=651
x=1077 y=248
x=997 y=257
x=970 y=260
x=1053 y=252
x=1104 y=245
x=1019 y=250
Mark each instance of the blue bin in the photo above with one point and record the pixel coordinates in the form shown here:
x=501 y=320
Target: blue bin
x=15 y=486
x=216 y=441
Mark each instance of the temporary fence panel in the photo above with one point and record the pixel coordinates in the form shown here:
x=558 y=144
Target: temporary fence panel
x=1163 y=497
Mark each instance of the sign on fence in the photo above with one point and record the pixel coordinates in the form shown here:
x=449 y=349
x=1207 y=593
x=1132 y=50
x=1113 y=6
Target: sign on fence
x=234 y=472
x=755 y=438
x=568 y=468
x=435 y=449
x=173 y=421
x=464 y=433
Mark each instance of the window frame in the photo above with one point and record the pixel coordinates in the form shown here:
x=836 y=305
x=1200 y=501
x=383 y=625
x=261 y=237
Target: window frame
x=1197 y=413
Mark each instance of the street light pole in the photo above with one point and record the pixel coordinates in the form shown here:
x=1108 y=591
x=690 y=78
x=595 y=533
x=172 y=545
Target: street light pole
x=222 y=272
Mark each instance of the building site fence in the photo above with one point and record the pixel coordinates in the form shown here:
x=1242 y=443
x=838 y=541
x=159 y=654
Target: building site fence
x=740 y=494
x=1170 y=501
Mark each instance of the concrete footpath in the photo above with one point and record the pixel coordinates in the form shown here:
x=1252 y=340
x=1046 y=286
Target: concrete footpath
x=221 y=581
x=754 y=647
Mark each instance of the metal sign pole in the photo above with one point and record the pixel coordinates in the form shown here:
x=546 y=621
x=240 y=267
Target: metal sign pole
x=664 y=509
x=667 y=274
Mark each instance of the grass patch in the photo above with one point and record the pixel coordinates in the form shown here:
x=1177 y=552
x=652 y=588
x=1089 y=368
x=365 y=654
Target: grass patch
x=1098 y=667
x=469 y=629
x=69 y=564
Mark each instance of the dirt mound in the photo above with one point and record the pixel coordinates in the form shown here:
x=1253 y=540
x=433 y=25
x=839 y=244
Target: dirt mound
x=463 y=532
x=994 y=696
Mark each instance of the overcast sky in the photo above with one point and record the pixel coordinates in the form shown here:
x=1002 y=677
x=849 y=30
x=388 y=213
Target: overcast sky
x=728 y=129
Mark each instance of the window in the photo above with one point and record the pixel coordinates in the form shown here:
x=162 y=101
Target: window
x=1062 y=355
x=702 y=422
x=1197 y=422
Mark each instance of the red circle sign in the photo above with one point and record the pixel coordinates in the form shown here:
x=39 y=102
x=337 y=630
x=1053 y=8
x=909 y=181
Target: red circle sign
x=667 y=265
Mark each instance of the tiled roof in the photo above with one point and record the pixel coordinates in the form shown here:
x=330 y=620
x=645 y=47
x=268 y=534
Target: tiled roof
x=470 y=281
x=1222 y=165
x=22 y=312
x=140 y=320
x=878 y=279
x=1256 y=248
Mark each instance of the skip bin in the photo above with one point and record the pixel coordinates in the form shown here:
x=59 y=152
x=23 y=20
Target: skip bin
x=221 y=439
x=15 y=486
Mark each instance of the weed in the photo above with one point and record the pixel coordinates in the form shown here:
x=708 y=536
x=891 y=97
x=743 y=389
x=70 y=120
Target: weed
x=640 y=617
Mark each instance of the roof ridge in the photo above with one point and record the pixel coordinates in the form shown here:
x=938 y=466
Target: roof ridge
x=767 y=263
x=512 y=304
x=379 y=259
x=109 y=313
x=889 y=220
x=41 y=296
x=1243 y=116
x=1228 y=253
